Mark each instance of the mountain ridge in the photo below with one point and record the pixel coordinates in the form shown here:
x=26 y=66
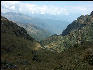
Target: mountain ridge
x=79 y=23
x=26 y=22
x=71 y=35
x=21 y=51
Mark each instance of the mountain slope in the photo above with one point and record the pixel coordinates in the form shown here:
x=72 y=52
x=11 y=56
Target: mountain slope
x=79 y=23
x=36 y=32
x=26 y=22
x=19 y=51
x=47 y=23
x=83 y=32
x=16 y=46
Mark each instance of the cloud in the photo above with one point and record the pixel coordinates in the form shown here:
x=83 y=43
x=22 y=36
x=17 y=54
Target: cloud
x=15 y=6
x=29 y=8
x=7 y=6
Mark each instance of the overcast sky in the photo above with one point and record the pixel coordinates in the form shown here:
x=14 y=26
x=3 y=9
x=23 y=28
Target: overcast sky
x=47 y=7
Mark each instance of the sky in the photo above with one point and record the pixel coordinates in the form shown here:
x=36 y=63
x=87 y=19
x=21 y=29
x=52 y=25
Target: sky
x=47 y=7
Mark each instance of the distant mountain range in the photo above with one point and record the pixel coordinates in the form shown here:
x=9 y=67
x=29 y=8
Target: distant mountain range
x=46 y=26
x=36 y=32
x=25 y=21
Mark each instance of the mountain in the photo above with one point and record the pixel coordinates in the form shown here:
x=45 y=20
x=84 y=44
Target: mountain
x=45 y=22
x=36 y=32
x=16 y=45
x=26 y=22
x=19 y=51
x=77 y=32
x=79 y=23
x=19 y=18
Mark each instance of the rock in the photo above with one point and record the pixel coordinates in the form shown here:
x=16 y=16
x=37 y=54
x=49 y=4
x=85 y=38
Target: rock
x=91 y=13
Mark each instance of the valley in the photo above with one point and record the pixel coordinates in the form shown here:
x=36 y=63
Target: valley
x=71 y=50
x=38 y=26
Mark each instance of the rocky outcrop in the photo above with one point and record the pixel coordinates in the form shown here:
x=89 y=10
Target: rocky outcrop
x=79 y=23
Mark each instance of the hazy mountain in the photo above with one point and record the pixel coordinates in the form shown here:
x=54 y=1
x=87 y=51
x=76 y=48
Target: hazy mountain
x=49 y=23
x=34 y=30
